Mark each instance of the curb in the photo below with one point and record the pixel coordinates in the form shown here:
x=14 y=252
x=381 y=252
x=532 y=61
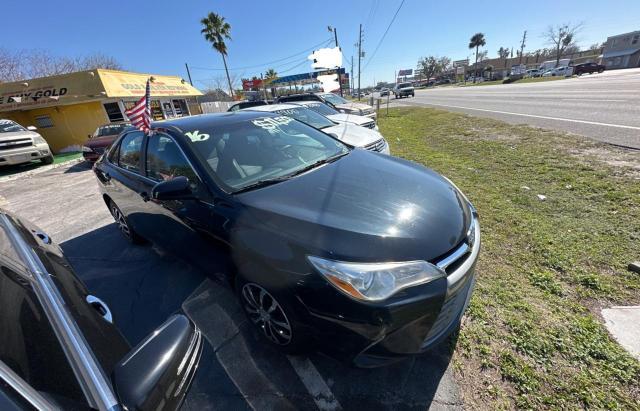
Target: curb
x=39 y=170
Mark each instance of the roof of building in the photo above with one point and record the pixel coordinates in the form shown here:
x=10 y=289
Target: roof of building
x=618 y=53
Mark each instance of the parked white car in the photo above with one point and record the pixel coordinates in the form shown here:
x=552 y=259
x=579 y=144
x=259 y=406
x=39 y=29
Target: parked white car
x=338 y=117
x=348 y=133
x=21 y=145
x=558 y=71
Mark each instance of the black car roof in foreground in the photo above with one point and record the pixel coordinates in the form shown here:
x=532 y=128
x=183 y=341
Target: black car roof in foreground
x=211 y=120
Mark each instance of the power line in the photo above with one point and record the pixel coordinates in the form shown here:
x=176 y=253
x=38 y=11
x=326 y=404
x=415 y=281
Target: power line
x=384 y=35
x=323 y=43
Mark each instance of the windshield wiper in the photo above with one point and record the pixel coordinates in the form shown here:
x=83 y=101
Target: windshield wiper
x=270 y=181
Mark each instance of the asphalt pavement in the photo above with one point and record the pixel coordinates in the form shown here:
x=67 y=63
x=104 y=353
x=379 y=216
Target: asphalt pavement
x=604 y=107
x=144 y=285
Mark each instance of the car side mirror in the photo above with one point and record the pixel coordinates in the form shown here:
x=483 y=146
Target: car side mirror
x=175 y=189
x=32 y=128
x=157 y=373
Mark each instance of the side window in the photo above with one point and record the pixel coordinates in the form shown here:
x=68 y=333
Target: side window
x=166 y=161
x=129 y=153
x=113 y=154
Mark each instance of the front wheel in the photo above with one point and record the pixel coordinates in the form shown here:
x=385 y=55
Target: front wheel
x=47 y=160
x=272 y=317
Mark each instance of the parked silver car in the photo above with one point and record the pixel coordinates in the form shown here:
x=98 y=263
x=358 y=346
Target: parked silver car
x=21 y=145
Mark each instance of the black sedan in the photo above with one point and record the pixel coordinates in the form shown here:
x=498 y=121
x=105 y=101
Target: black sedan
x=588 y=68
x=369 y=257
x=59 y=348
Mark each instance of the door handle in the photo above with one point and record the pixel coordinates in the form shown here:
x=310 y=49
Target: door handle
x=145 y=196
x=100 y=307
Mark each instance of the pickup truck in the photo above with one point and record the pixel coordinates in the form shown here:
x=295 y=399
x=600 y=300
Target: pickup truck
x=404 y=90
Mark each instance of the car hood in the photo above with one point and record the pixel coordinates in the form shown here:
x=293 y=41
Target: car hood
x=353 y=107
x=103 y=141
x=353 y=135
x=363 y=207
x=18 y=134
x=350 y=118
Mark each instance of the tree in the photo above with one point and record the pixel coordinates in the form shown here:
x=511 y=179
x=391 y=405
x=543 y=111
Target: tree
x=269 y=76
x=561 y=37
x=216 y=30
x=432 y=66
x=503 y=53
x=477 y=41
x=596 y=47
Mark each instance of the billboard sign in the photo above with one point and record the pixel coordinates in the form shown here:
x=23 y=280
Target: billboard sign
x=406 y=72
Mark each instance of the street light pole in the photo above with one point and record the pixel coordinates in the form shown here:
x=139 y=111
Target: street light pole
x=335 y=36
x=359 y=58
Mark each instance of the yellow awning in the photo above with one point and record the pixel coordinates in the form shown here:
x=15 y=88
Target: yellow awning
x=126 y=84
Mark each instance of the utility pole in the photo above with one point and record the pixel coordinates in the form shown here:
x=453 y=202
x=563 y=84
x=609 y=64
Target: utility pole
x=524 y=38
x=351 y=79
x=335 y=36
x=359 y=58
x=188 y=73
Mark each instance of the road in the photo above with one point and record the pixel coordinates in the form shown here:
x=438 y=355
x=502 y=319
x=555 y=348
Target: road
x=604 y=107
x=144 y=285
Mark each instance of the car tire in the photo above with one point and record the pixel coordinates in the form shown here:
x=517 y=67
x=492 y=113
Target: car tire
x=47 y=160
x=272 y=317
x=123 y=225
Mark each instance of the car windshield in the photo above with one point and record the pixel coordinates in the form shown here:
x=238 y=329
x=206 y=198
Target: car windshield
x=403 y=85
x=307 y=116
x=8 y=126
x=262 y=150
x=322 y=109
x=334 y=99
x=110 y=130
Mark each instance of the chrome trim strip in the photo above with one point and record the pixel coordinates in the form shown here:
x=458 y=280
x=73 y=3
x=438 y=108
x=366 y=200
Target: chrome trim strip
x=90 y=375
x=23 y=388
x=454 y=279
x=453 y=257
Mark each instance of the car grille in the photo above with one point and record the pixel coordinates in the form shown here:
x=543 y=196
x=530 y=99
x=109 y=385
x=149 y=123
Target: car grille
x=451 y=308
x=17 y=143
x=377 y=146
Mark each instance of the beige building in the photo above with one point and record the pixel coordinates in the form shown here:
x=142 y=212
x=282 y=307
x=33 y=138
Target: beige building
x=68 y=107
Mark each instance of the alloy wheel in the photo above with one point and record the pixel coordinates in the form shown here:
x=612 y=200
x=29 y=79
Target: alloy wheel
x=264 y=311
x=120 y=221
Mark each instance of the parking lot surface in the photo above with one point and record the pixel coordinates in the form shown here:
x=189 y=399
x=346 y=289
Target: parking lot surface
x=143 y=285
x=605 y=107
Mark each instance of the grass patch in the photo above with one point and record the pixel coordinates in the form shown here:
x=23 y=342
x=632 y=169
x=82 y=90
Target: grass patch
x=19 y=168
x=531 y=337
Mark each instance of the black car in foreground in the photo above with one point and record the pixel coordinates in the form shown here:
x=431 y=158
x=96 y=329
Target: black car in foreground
x=368 y=257
x=588 y=68
x=59 y=348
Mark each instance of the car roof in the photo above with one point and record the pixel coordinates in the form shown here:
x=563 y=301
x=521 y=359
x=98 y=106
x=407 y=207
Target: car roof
x=211 y=120
x=272 y=107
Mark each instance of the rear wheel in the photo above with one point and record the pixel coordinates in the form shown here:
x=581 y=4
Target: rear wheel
x=123 y=224
x=47 y=160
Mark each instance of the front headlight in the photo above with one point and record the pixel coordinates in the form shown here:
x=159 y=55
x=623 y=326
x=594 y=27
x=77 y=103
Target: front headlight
x=375 y=281
x=86 y=149
x=39 y=140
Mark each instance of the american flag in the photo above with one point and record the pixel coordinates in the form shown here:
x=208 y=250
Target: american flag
x=140 y=113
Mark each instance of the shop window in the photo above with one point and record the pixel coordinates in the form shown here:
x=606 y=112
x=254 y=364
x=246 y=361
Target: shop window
x=156 y=110
x=180 y=106
x=43 y=121
x=113 y=112
x=635 y=39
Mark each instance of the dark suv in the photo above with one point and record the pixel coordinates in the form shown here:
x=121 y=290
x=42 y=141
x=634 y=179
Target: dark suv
x=59 y=348
x=584 y=68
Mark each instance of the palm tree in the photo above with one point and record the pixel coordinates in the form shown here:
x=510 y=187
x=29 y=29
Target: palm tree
x=477 y=40
x=271 y=75
x=215 y=31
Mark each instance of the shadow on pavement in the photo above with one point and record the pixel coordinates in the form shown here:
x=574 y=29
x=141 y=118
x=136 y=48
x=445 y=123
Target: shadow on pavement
x=78 y=167
x=143 y=286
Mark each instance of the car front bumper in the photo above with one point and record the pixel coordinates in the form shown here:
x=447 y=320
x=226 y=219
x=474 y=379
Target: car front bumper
x=24 y=154
x=411 y=322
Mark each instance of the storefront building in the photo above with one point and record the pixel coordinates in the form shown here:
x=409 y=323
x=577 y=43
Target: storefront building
x=68 y=107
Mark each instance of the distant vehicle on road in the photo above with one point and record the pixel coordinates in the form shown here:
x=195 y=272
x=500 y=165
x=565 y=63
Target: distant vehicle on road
x=369 y=257
x=334 y=101
x=384 y=92
x=59 y=347
x=101 y=139
x=246 y=104
x=22 y=145
x=404 y=90
x=588 y=68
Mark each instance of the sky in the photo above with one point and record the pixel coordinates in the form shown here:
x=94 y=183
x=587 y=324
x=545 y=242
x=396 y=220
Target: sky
x=160 y=36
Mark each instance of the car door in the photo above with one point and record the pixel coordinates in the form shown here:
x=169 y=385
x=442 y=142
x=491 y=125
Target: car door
x=181 y=226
